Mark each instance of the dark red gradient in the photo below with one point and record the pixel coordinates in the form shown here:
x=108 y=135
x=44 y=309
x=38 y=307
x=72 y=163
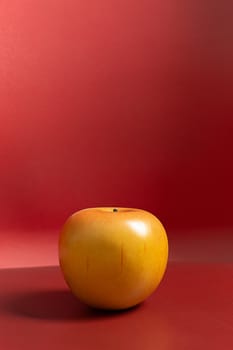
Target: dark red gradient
x=119 y=103
x=116 y=103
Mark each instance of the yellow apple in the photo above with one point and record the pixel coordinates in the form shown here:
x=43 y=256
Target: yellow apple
x=113 y=258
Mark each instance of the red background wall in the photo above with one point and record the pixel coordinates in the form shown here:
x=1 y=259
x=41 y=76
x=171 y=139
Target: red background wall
x=116 y=103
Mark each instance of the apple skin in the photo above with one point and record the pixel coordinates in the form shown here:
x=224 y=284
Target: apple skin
x=113 y=258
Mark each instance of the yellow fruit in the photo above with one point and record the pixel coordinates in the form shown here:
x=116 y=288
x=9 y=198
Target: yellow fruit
x=113 y=258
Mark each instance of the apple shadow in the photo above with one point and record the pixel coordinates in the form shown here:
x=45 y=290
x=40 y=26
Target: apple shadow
x=57 y=305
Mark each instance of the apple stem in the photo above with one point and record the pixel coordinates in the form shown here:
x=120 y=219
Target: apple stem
x=115 y=210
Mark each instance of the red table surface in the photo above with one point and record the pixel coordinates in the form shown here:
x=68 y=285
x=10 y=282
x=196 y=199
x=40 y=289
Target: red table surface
x=191 y=309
